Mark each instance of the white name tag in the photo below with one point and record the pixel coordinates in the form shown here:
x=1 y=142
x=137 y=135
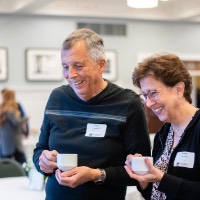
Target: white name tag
x=96 y=130
x=184 y=159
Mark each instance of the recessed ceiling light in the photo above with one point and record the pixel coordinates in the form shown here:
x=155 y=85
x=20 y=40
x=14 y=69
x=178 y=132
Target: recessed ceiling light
x=142 y=3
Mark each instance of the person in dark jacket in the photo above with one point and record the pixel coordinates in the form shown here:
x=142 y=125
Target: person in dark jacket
x=91 y=117
x=166 y=87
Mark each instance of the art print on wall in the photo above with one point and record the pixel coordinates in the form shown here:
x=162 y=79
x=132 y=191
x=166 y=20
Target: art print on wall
x=3 y=64
x=43 y=65
x=110 y=71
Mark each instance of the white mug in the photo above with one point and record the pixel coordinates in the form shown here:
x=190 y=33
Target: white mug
x=139 y=166
x=66 y=161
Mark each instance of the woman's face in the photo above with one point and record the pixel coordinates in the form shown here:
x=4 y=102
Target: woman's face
x=162 y=100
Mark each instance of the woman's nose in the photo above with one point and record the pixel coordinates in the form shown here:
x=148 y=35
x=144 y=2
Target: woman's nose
x=149 y=102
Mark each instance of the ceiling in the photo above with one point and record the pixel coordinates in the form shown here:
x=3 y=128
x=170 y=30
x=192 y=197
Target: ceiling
x=171 y=10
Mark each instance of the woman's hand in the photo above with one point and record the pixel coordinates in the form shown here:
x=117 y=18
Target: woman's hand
x=153 y=175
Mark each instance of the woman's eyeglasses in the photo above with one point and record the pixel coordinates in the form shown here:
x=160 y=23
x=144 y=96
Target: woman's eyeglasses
x=152 y=95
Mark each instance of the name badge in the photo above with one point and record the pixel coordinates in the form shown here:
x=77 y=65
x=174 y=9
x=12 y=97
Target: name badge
x=96 y=130
x=184 y=159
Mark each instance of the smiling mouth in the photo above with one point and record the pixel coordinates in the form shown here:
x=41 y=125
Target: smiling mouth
x=157 y=110
x=77 y=83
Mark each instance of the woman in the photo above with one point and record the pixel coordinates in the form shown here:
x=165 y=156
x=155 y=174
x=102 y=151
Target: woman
x=10 y=128
x=166 y=87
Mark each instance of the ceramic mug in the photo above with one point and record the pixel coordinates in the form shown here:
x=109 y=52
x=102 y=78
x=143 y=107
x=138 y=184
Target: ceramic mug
x=66 y=161
x=139 y=166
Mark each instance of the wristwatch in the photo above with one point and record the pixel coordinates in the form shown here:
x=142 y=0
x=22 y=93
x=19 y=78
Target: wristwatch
x=101 y=178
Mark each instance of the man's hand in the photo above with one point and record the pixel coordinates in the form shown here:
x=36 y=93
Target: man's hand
x=77 y=176
x=47 y=161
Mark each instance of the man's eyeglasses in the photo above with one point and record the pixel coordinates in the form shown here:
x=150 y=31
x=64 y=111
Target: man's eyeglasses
x=152 y=95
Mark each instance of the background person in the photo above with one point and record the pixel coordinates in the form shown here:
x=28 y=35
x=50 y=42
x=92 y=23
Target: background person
x=93 y=118
x=10 y=128
x=166 y=87
x=25 y=125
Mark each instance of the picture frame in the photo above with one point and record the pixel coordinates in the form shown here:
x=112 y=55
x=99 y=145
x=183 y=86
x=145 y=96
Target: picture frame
x=43 y=65
x=3 y=64
x=110 y=72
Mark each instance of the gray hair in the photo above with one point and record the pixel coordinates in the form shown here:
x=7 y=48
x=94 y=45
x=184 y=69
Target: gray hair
x=93 y=41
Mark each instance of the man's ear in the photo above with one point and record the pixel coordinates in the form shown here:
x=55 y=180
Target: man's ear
x=102 y=65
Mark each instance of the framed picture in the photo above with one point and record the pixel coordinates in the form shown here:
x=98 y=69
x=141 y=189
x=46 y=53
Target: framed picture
x=43 y=65
x=110 y=71
x=3 y=64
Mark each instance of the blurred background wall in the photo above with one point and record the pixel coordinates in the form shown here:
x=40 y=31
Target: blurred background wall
x=18 y=33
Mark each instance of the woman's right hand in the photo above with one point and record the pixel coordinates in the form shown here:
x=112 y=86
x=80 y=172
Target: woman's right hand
x=47 y=161
x=153 y=175
x=128 y=168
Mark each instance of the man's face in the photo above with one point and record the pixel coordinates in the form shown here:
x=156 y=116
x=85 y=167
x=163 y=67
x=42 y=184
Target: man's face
x=83 y=74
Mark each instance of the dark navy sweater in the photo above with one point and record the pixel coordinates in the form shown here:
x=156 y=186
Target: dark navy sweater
x=64 y=128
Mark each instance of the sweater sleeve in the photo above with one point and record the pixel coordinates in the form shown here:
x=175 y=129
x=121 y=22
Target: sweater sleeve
x=136 y=140
x=136 y=136
x=178 y=188
x=146 y=193
x=42 y=144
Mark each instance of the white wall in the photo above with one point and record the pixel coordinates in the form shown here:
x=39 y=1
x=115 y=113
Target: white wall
x=19 y=33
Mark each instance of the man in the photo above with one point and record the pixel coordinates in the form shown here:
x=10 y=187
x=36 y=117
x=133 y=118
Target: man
x=93 y=118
